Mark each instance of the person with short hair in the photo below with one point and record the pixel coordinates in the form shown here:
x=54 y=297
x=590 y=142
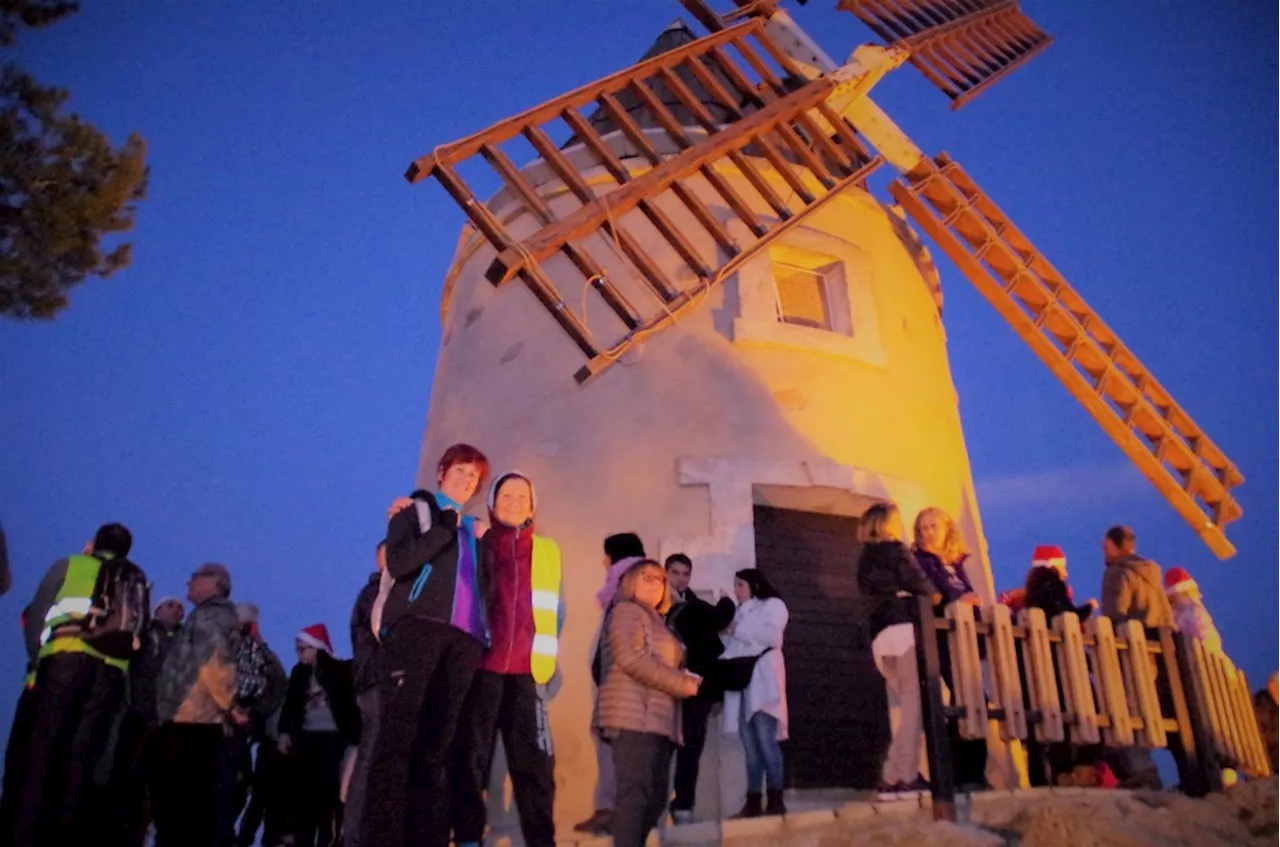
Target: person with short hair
x=887 y=575
x=1132 y=587
x=621 y=551
x=1132 y=590
x=435 y=632
x=638 y=707
x=195 y=802
x=698 y=624
x=79 y=692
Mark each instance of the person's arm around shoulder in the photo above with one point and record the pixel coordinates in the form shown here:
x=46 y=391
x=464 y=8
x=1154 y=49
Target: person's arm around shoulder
x=409 y=546
x=629 y=633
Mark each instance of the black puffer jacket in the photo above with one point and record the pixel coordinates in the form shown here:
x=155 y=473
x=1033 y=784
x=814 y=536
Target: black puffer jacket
x=885 y=570
x=334 y=677
x=366 y=671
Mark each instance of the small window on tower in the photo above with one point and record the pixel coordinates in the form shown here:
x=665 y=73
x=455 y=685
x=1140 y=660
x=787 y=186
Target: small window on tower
x=814 y=297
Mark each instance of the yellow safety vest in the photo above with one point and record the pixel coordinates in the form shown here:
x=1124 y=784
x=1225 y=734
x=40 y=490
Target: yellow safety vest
x=71 y=604
x=545 y=579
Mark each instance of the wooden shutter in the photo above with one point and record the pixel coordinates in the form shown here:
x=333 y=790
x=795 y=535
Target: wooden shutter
x=802 y=296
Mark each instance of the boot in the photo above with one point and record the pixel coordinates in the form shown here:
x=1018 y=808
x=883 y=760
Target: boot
x=751 y=808
x=775 y=806
x=598 y=824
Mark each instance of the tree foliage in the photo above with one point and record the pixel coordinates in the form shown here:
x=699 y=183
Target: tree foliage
x=63 y=187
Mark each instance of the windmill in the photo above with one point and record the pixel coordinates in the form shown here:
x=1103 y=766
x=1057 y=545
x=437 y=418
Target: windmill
x=700 y=223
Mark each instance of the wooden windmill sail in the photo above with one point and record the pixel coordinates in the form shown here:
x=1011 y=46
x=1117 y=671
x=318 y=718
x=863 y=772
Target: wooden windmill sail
x=756 y=94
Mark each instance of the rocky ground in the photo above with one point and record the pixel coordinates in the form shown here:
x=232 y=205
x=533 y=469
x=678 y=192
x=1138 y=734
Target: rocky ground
x=1244 y=815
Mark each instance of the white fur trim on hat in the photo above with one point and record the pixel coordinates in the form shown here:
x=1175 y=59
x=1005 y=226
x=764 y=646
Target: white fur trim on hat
x=311 y=641
x=503 y=477
x=164 y=600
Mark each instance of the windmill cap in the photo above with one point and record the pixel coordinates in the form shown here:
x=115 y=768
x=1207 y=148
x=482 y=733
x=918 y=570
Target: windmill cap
x=1177 y=580
x=317 y=636
x=1048 y=556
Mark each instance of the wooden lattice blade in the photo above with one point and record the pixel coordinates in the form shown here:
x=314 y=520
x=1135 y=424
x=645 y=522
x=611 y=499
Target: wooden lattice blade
x=962 y=46
x=1193 y=474
x=717 y=130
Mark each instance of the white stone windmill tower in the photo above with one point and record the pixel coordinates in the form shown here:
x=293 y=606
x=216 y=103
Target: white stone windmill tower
x=683 y=314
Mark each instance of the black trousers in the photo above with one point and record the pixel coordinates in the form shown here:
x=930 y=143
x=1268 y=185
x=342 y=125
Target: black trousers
x=15 y=763
x=353 y=813
x=317 y=780
x=508 y=704
x=429 y=667
x=643 y=763
x=696 y=713
x=266 y=807
x=194 y=800
x=76 y=698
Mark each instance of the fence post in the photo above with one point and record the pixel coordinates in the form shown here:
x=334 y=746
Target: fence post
x=1197 y=762
x=933 y=713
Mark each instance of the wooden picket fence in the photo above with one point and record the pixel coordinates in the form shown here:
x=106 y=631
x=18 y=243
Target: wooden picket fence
x=1060 y=681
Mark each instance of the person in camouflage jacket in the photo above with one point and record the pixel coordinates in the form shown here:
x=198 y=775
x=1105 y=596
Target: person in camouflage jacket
x=196 y=700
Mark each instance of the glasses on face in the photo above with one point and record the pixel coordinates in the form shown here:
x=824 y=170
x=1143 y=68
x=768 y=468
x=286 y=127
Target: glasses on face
x=653 y=578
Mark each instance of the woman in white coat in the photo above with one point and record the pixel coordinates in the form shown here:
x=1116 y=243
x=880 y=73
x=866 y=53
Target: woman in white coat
x=759 y=712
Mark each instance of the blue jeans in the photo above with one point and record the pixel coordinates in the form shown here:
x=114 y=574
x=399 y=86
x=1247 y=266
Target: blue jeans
x=764 y=752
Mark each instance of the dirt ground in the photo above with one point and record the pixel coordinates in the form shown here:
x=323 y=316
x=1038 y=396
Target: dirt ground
x=1244 y=815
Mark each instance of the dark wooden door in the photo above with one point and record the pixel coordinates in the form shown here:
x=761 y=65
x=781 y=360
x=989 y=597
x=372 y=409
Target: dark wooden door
x=839 y=722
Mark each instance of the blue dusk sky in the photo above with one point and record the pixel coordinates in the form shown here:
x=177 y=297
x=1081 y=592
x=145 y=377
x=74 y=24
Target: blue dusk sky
x=253 y=389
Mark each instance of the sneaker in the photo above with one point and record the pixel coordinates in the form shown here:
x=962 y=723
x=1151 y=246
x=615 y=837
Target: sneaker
x=917 y=786
x=681 y=816
x=888 y=791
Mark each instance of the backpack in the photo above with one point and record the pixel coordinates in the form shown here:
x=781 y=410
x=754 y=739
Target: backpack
x=273 y=692
x=121 y=610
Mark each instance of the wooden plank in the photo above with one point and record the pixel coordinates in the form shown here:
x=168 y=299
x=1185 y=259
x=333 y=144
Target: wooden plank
x=1110 y=682
x=740 y=161
x=1041 y=682
x=600 y=363
x=649 y=270
x=536 y=280
x=582 y=260
x=1198 y=771
x=1142 y=676
x=717 y=181
x=691 y=201
x=1219 y=681
x=1261 y=763
x=968 y=691
x=661 y=222
x=1073 y=665
x=1003 y=657
x=584 y=95
x=1209 y=701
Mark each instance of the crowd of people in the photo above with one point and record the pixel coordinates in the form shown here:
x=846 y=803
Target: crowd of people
x=190 y=725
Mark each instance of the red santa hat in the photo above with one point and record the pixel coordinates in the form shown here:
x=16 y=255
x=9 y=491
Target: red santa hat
x=1048 y=556
x=317 y=636
x=1177 y=580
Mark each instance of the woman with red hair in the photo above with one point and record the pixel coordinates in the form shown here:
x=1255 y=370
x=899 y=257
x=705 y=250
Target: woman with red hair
x=433 y=623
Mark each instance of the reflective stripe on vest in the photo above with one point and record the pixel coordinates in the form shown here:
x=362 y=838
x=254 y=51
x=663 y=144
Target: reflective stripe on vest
x=71 y=604
x=545 y=579
x=75 y=595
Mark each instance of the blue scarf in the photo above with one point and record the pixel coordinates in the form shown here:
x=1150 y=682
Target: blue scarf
x=467 y=613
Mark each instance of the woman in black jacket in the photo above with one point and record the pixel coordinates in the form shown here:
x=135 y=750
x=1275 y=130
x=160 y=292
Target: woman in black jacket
x=318 y=721
x=886 y=572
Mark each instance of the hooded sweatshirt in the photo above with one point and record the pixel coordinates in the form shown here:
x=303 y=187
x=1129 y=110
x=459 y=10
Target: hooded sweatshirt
x=1133 y=590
